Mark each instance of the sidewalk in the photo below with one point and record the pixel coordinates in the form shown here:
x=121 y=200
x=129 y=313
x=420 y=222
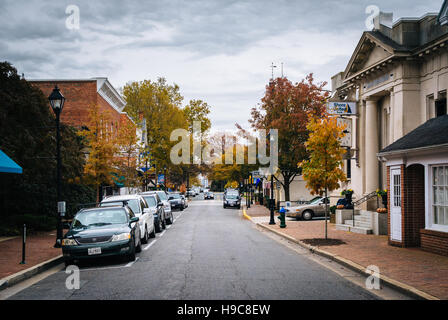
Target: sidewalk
x=425 y=271
x=39 y=248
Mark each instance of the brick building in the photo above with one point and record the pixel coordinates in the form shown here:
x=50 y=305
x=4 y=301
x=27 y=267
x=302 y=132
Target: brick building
x=80 y=94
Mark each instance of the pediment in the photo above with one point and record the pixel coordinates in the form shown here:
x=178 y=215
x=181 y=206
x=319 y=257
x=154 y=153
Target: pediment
x=368 y=52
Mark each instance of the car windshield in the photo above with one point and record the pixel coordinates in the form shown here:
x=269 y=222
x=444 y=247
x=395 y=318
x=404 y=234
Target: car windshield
x=98 y=218
x=175 y=196
x=132 y=203
x=316 y=201
x=162 y=196
x=232 y=196
x=151 y=201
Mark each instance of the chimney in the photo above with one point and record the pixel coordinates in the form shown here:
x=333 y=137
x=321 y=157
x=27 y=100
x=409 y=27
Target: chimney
x=383 y=23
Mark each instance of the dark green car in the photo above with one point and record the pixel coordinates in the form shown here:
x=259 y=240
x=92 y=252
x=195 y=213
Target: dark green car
x=102 y=232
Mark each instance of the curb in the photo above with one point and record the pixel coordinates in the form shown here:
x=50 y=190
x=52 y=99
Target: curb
x=402 y=287
x=246 y=216
x=20 y=276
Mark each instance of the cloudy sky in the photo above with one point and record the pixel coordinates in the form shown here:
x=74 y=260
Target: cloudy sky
x=216 y=50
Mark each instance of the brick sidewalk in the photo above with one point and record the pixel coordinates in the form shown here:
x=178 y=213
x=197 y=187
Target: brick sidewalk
x=425 y=271
x=39 y=248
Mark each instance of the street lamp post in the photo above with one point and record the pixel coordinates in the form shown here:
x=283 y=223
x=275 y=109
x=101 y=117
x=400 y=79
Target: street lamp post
x=271 y=201
x=57 y=103
x=165 y=178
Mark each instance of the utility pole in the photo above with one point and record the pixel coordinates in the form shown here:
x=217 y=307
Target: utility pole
x=272 y=70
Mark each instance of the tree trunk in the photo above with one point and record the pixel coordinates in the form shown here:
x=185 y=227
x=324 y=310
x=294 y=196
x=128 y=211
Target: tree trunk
x=326 y=213
x=286 y=188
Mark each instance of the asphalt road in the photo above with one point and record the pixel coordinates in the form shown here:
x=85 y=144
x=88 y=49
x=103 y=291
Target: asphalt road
x=208 y=253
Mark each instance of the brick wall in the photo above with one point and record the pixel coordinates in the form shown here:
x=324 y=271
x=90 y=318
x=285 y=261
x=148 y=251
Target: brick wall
x=413 y=204
x=434 y=241
x=79 y=95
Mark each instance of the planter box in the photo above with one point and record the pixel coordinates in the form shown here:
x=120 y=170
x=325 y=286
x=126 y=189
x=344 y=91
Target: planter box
x=332 y=218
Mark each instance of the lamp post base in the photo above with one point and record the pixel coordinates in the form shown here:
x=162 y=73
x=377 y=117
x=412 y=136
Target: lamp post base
x=57 y=244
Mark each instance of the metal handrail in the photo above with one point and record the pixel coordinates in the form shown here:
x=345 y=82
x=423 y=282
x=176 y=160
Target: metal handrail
x=362 y=200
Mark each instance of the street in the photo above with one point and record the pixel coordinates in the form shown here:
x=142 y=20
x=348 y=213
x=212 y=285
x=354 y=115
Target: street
x=208 y=253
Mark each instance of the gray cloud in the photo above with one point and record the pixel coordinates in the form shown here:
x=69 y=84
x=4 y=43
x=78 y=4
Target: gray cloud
x=216 y=50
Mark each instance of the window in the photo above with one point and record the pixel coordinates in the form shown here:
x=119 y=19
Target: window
x=440 y=105
x=440 y=195
x=397 y=190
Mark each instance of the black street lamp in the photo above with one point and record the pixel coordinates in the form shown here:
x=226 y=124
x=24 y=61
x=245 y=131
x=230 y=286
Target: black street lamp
x=57 y=103
x=271 y=200
x=165 y=179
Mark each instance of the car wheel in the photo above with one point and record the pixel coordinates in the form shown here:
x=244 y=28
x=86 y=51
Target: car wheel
x=131 y=256
x=158 y=225
x=153 y=233
x=145 y=237
x=170 y=219
x=307 y=215
x=139 y=247
x=182 y=208
x=239 y=207
x=163 y=224
x=69 y=262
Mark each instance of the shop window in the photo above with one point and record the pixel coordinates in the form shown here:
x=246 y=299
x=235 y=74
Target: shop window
x=440 y=195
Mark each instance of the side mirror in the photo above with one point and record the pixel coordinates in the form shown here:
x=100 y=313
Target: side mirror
x=134 y=219
x=66 y=225
x=160 y=204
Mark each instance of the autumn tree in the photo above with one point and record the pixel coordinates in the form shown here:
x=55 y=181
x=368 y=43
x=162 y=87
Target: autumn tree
x=129 y=149
x=323 y=171
x=160 y=105
x=285 y=107
x=102 y=148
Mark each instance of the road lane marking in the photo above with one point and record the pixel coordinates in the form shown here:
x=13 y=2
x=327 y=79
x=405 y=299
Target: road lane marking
x=161 y=234
x=132 y=262
x=149 y=245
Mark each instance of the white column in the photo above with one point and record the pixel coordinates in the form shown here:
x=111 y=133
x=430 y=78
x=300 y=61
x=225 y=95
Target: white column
x=372 y=172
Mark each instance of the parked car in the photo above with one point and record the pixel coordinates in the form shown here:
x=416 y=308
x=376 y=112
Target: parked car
x=191 y=193
x=232 y=199
x=166 y=204
x=156 y=207
x=316 y=208
x=101 y=232
x=209 y=195
x=176 y=201
x=140 y=209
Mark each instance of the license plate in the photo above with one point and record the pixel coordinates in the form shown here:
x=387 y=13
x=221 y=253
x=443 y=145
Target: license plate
x=92 y=251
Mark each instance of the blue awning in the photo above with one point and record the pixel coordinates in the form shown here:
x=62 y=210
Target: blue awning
x=8 y=165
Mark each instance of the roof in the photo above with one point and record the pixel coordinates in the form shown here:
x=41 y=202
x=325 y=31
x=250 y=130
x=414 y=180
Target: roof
x=8 y=165
x=430 y=134
x=121 y=198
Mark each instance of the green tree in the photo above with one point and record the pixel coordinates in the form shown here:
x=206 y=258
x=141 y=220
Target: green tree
x=323 y=172
x=27 y=131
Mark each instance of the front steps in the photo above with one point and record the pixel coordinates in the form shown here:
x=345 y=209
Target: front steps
x=363 y=222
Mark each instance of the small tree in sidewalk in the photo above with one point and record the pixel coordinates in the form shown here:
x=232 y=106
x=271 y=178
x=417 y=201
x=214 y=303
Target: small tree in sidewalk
x=101 y=147
x=323 y=172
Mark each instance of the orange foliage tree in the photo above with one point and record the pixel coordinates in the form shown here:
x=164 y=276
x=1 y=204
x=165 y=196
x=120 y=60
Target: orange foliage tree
x=323 y=172
x=285 y=107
